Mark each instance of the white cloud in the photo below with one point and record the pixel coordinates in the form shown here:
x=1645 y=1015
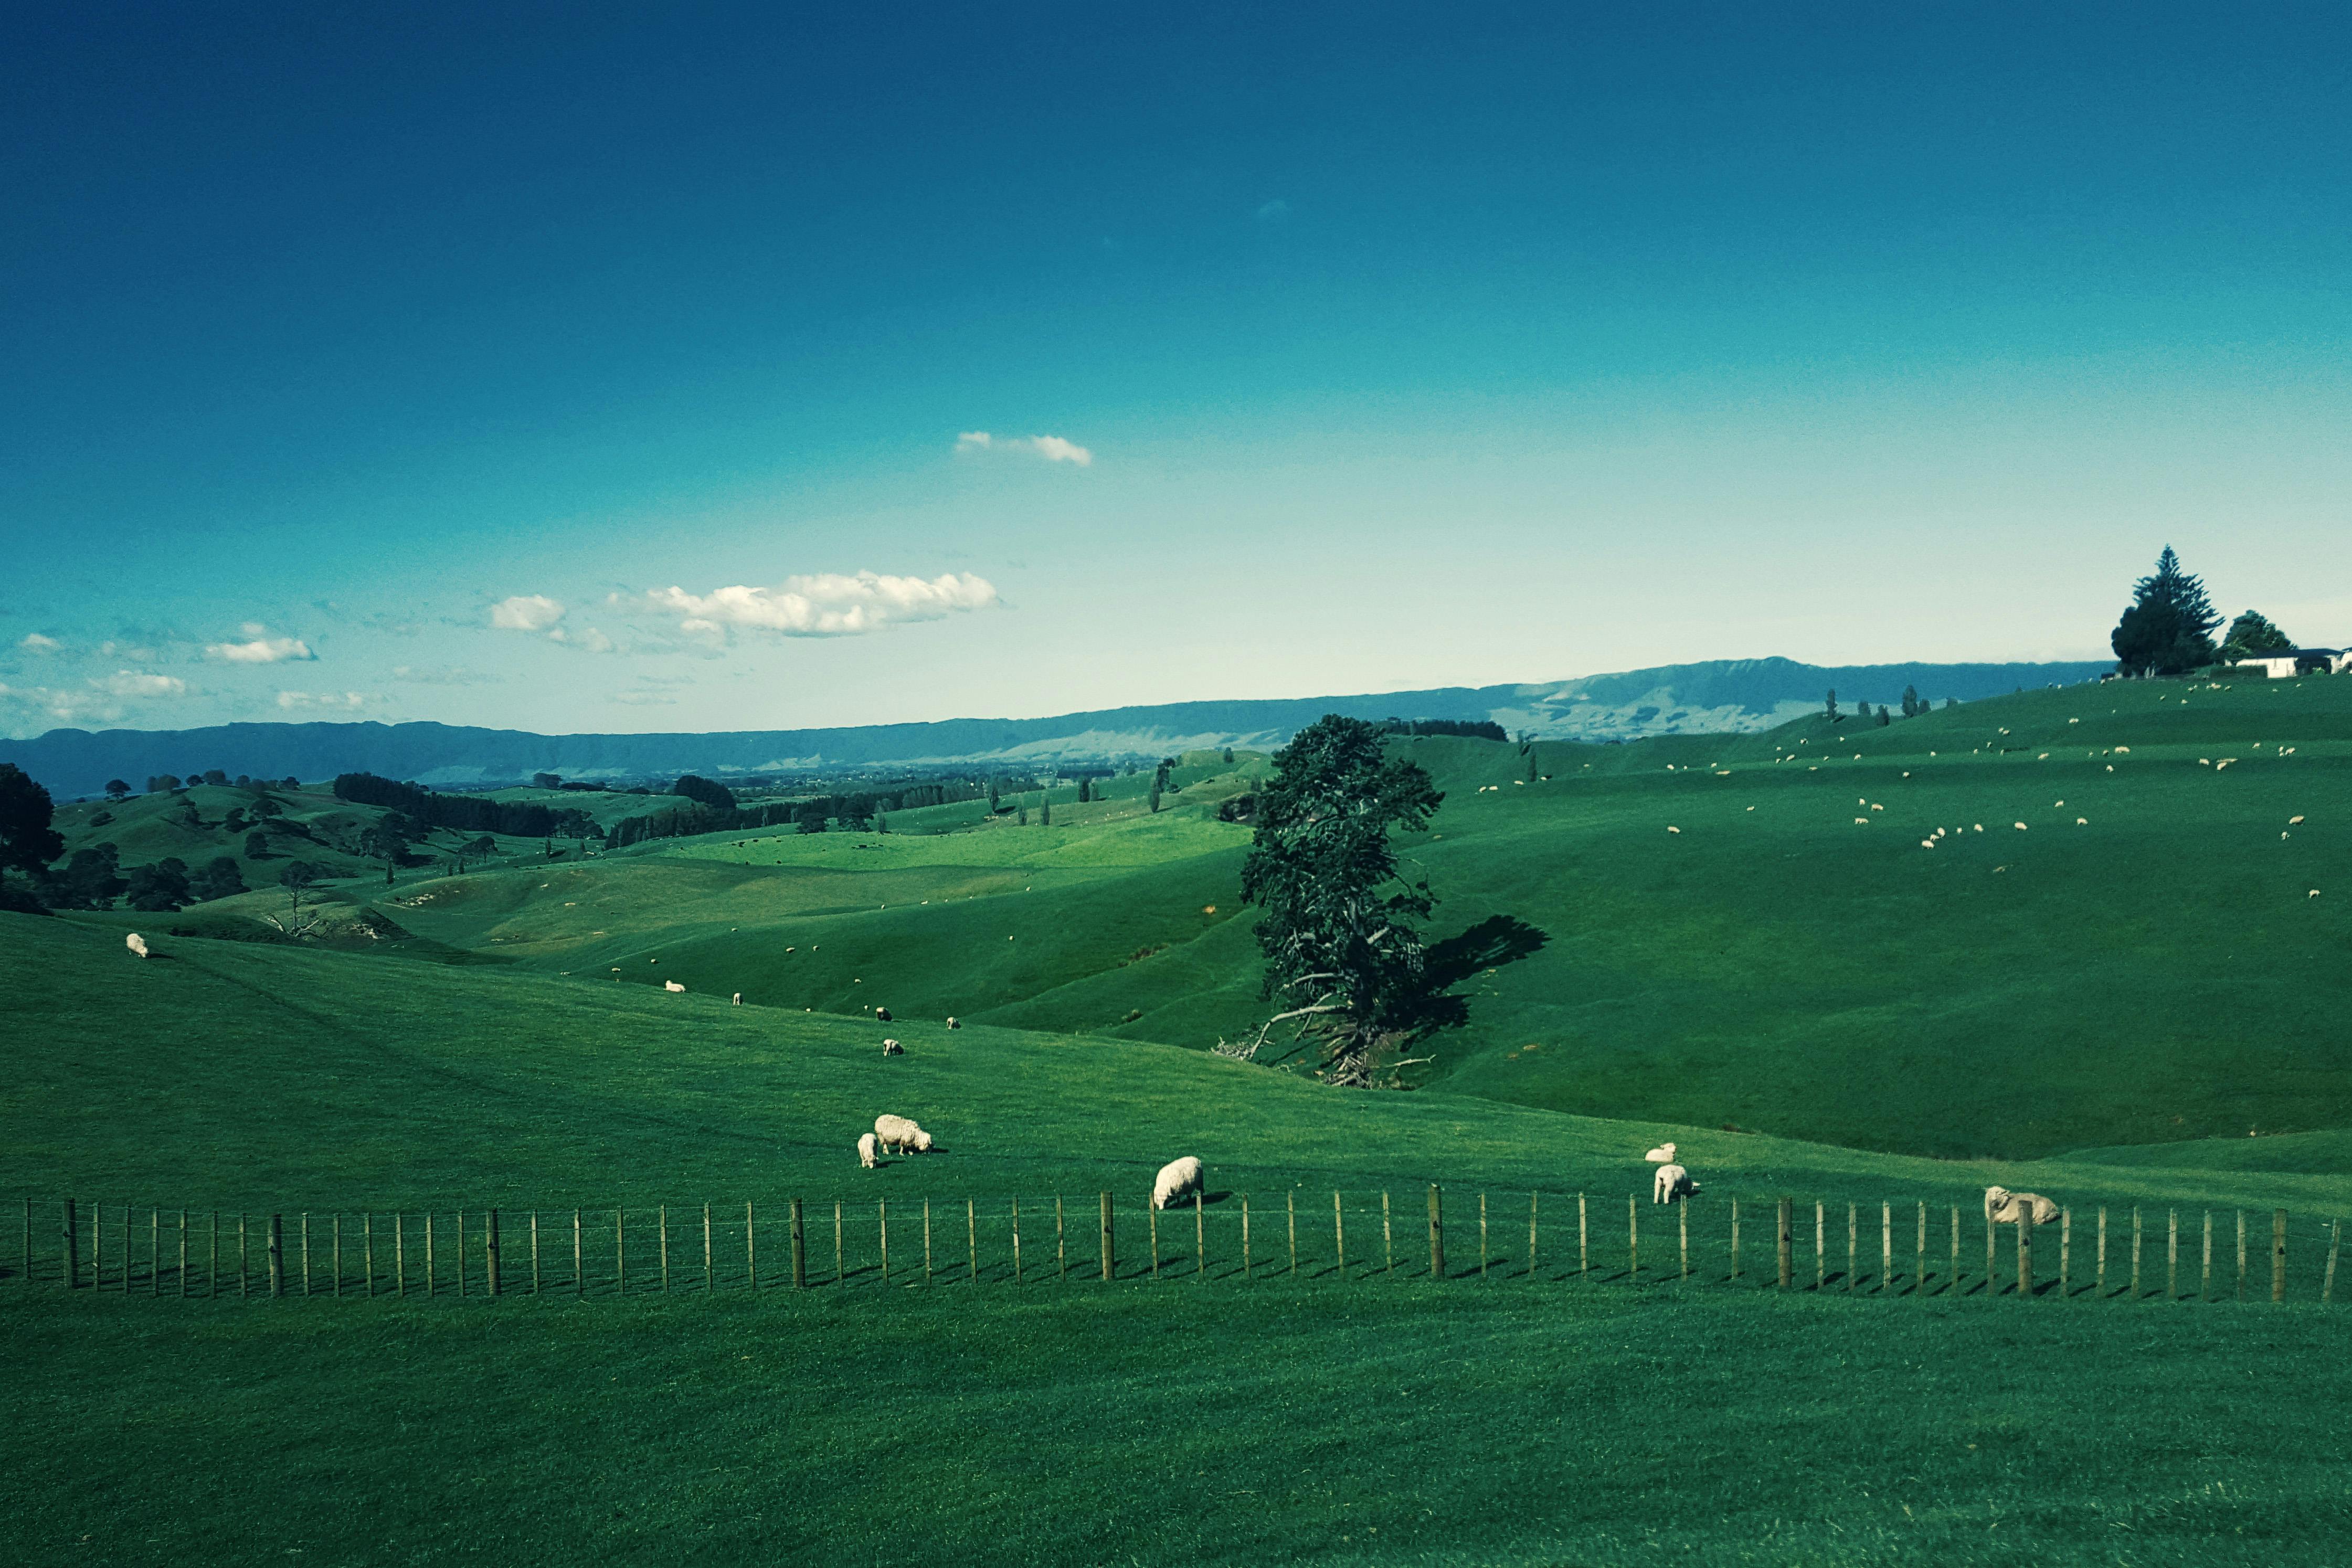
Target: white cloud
x=827 y=604
x=644 y=699
x=1053 y=449
x=335 y=699
x=132 y=683
x=36 y=643
x=526 y=613
x=442 y=675
x=588 y=641
x=254 y=629
x=262 y=649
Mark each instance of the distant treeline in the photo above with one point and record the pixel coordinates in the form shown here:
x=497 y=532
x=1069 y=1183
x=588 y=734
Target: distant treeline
x=1477 y=729
x=466 y=813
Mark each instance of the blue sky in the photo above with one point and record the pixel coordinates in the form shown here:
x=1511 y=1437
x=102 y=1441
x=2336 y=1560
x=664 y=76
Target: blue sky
x=570 y=372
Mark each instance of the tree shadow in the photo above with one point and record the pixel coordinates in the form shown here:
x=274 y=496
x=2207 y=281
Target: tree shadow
x=1494 y=942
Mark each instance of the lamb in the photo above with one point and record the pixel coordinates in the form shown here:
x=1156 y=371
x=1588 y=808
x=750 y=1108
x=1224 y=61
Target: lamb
x=882 y=1016
x=672 y=985
x=893 y=1048
x=866 y=1147
x=1673 y=1183
x=1178 y=1180
x=2005 y=1207
x=138 y=944
x=1664 y=1155
x=899 y=1133
x=738 y=1000
x=952 y=1024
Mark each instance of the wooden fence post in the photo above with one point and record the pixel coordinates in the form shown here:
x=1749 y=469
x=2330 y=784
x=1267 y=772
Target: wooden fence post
x=2136 y=1248
x=461 y=1252
x=1016 y=1239
x=2241 y=1255
x=1531 y=1236
x=534 y=1252
x=278 y=1255
x=1992 y=1269
x=1584 y=1256
x=1952 y=1279
x=306 y=1256
x=1340 y=1233
x=579 y=1258
x=1885 y=1243
x=2102 y=1287
x=1682 y=1213
x=972 y=1238
x=1919 y=1259
x=2066 y=1251
x=1734 y=1237
x=69 y=1244
x=490 y=1251
x=429 y=1280
x=1151 y=1214
x=2025 y=1251
x=245 y=1259
x=882 y=1215
x=1633 y=1238
x=97 y=1245
x=2278 y=1254
x=620 y=1249
x=1246 y=1236
x=154 y=1252
x=800 y=1249
x=2335 y=1241
x=837 y=1274
x=926 y=1241
x=1853 y=1243
x=707 y=1270
x=1436 y=1233
x=2172 y=1257
x=751 y=1247
x=1109 y=1255
x=1787 y=1248
x=1821 y=1246
x=336 y=1254
x=1200 y=1238
x=1061 y=1244
x=661 y=1234
x=2205 y=1262
x=1481 y=1236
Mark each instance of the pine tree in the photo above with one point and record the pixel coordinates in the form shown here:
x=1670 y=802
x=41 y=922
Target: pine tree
x=1912 y=706
x=2167 y=628
x=1882 y=714
x=1154 y=796
x=1862 y=710
x=1829 y=709
x=2251 y=635
x=1045 y=811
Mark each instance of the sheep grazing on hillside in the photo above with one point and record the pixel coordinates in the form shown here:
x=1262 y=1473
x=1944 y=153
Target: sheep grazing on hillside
x=1178 y=1180
x=882 y=1016
x=893 y=1048
x=866 y=1147
x=672 y=985
x=1673 y=1184
x=738 y=1000
x=2296 y=821
x=899 y=1135
x=952 y=1024
x=138 y=944
x=1664 y=1155
x=2005 y=1207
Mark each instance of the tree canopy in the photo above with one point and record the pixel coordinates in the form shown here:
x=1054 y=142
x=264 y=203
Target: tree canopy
x=1341 y=945
x=2169 y=626
x=2251 y=636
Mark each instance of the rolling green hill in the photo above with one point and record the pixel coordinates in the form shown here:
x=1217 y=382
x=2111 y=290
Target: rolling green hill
x=1790 y=960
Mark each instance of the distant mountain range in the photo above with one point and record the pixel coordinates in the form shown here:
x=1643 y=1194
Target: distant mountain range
x=1719 y=695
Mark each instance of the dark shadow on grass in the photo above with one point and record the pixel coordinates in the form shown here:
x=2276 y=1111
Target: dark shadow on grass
x=1494 y=942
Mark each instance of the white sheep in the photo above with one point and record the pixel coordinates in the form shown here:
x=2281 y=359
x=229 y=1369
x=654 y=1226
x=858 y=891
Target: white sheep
x=2005 y=1207
x=738 y=1000
x=1673 y=1182
x=953 y=1025
x=672 y=985
x=899 y=1133
x=866 y=1147
x=1178 y=1179
x=1664 y=1155
x=893 y=1048
x=138 y=944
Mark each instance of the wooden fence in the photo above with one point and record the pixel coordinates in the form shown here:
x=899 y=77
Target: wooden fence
x=1043 y=1241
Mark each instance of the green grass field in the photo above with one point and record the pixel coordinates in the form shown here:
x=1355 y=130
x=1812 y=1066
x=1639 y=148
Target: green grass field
x=2099 y=1011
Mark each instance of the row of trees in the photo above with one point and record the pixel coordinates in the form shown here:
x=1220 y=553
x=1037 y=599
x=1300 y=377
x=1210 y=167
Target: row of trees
x=2167 y=628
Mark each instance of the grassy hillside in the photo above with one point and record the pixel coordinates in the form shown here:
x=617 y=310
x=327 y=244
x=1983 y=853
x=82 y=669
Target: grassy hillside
x=1380 y=1420
x=2157 y=970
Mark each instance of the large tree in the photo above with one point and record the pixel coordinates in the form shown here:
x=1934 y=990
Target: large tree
x=1343 y=956
x=2251 y=636
x=27 y=842
x=2168 y=627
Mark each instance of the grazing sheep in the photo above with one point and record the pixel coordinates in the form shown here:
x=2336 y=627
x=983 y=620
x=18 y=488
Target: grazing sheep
x=738 y=1000
x=2005 y=1207
x=672 y=985
x=899 y=1133
x=2295 y=821
x=1664 y=1155
x=1674 y=830
x=893 y=1048
x=866 y=1147
x=1178 y=1179
x=953 y=1025
x=1673 y=1183
x=138 y=944
x=882 y=1016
